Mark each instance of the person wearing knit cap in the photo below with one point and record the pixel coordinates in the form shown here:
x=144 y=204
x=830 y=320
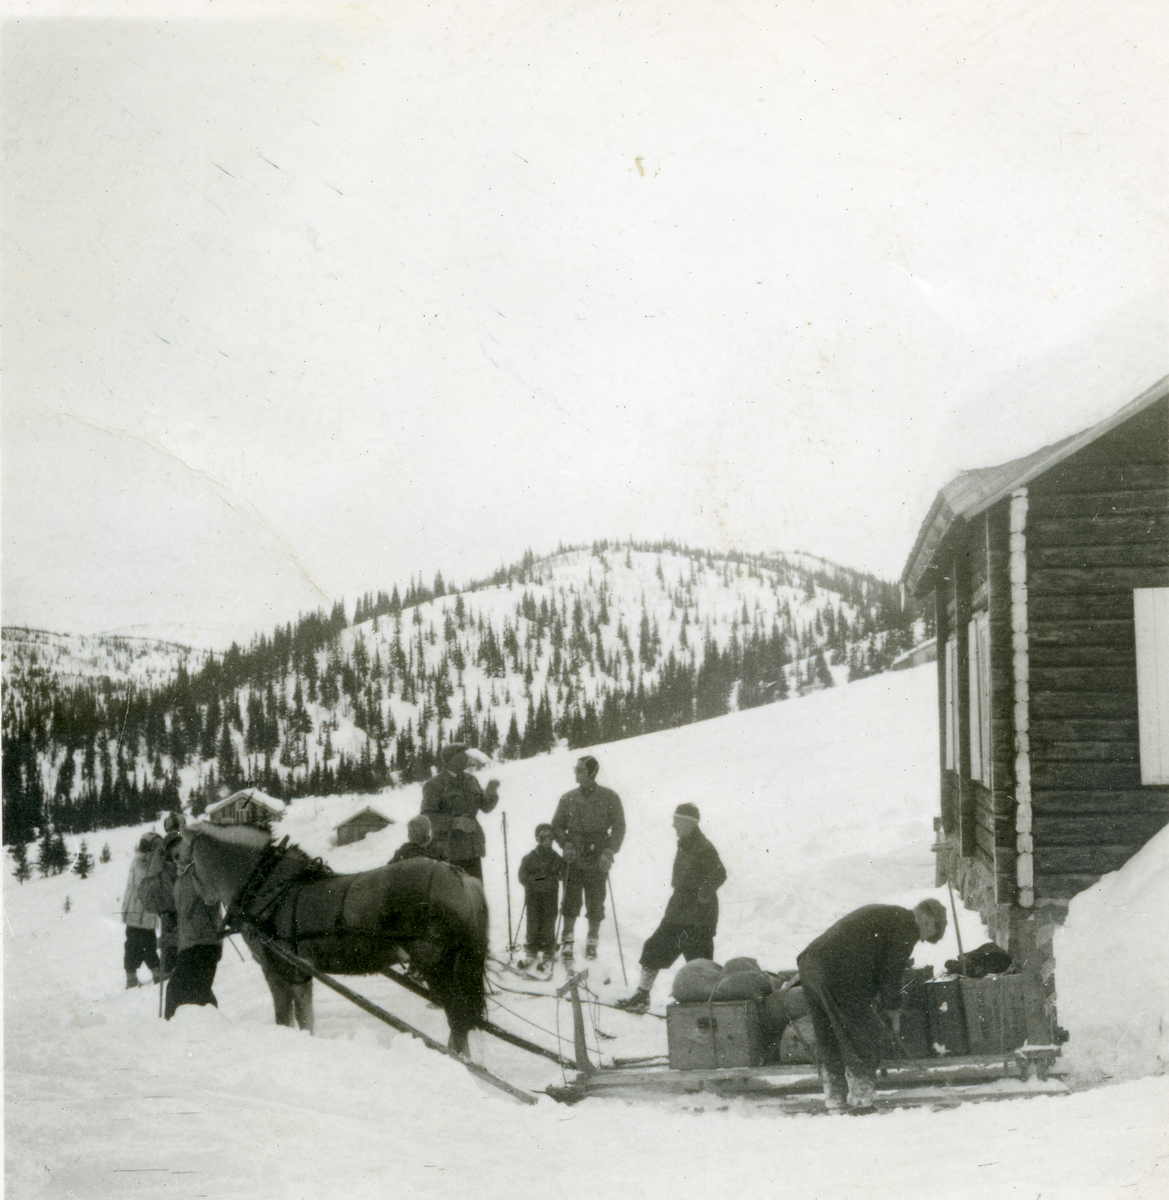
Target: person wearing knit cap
x=589 y=824
x=850 y=972
x=691 y=919
x=452 y=800
x=417 y=844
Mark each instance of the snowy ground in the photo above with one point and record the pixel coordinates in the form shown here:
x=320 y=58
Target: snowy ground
x=817 y=805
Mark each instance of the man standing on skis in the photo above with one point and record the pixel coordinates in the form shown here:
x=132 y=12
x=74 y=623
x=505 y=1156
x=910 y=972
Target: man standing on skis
x=589 y=825
x=848 y=973
x=691 y=919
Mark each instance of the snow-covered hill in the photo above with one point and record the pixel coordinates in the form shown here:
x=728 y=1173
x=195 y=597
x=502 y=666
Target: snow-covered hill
x=816 y=806
x=585 y=646
x=73 y=658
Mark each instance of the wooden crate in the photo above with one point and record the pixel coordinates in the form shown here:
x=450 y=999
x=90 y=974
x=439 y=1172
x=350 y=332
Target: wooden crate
x=947 y=1022
x=996 y=1020
x=705 y=1036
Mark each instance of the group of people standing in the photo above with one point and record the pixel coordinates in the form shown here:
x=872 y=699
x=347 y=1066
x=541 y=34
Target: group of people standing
x=173 y=924
x=589 y=827
x=851 y=974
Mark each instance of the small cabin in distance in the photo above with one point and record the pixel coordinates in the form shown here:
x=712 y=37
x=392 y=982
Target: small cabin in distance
x=249 y=807
x=1050 y=582
x=369 y=820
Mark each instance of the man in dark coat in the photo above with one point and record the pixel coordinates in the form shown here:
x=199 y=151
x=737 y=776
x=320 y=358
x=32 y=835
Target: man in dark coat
x=691 y=919
x=848 y=973
x=589 y=823
x=452 y=800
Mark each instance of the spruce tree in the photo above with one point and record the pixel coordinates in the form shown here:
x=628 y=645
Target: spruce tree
x=19 y=852
x=105 y=853
x=45 y=852
x=83 y=864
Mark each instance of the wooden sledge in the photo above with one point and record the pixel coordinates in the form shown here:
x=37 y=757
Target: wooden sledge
x=795 y=1087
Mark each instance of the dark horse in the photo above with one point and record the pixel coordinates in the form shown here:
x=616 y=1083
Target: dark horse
x=423 y=911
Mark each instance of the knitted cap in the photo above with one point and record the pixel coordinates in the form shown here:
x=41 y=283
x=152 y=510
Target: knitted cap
x=590 y=764
x=450 y=750
x=687 y=810
x=544 y=828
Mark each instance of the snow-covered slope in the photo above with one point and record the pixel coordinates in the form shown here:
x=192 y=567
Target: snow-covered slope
x=816 y=805
x=70 y=658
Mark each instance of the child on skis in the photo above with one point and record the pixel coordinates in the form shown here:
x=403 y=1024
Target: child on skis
x=540 y=873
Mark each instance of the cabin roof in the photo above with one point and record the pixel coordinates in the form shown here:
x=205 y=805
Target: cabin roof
x=254 y=795
x=973 y=492
x=367 y=811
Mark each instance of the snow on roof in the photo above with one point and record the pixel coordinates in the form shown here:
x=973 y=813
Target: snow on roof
x=973 y=492
x=254 y=795
x=373 y=812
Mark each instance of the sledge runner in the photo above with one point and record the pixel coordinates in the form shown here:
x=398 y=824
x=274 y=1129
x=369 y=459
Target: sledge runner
x=453 y=800
x=589 y=824
x=691 y=919
x=541 y=871
x=847 y=973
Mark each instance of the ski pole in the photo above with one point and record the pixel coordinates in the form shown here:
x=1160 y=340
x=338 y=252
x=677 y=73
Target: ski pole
x=507 y=882
x=617 y=929
x=523 y=909
x=957 y=931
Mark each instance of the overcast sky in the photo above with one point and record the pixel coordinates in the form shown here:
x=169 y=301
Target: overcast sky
x=298 y=305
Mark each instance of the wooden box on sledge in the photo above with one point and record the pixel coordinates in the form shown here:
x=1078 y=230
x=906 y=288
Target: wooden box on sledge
x=727 y=1033
x=996 y=1020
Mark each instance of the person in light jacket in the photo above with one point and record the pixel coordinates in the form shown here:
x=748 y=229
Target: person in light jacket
x=140 y=920
x=199 y=942
x=691 y=919
x=158 y=891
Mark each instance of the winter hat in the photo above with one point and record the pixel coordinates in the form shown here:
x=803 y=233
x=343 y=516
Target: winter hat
x=145 y=844
x=544 y=828
x=418 y=830
x=687 y=810
x=935 y=908
x=173 y=821
x=590 y=764
x=171 y=838
x=450 y=750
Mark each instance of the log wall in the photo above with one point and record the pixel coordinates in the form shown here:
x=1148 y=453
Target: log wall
x=1097 y=527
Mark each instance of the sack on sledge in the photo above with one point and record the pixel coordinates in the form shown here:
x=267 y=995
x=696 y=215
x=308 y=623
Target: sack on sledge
x=696 y=980
x=703 y=980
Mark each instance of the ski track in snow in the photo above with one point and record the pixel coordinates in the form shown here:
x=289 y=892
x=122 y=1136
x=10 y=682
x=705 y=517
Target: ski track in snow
x=816 y=805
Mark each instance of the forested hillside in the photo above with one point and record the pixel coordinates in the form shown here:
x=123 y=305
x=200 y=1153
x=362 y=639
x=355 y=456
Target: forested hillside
x=588 y=645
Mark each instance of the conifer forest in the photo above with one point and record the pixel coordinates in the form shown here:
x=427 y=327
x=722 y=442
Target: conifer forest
x=585 y=646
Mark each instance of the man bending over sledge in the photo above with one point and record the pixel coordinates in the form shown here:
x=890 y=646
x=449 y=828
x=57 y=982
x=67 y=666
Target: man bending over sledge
x=846 y=973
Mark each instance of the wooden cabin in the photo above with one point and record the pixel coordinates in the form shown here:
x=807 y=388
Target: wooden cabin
x=369 y=820
x=1050 y=582
x=249 y=807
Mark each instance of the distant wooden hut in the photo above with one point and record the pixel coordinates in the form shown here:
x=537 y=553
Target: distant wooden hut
x=249 y=807
x=369 y=820
x=1050 y=581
